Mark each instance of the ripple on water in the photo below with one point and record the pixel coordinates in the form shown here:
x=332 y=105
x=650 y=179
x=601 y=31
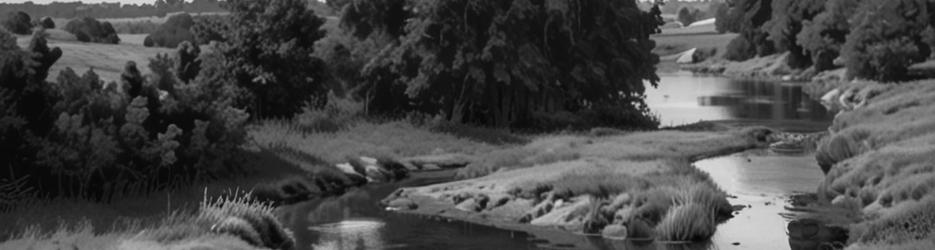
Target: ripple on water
x=350 y=234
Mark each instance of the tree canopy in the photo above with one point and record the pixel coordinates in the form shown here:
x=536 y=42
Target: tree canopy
x=498 y=62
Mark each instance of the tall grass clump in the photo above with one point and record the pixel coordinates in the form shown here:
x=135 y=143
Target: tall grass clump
x=687 y=222
x=247 y=219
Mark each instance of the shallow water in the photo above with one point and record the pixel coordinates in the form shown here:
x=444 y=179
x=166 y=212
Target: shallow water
x=683 y=98
x=766 y=182
x=762 y=180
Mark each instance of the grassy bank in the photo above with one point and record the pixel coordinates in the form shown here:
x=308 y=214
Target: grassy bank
x=880 y=156
x=278 y=151
x=631 y=185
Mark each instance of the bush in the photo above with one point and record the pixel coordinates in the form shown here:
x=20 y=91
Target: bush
x=739 y=49
x=174 y=31
x=148 y=42
x=18 y=22
x=88 y=29
x=47 y=22
x=686 y=17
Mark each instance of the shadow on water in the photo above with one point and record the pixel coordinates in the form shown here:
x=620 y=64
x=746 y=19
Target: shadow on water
x=682 y=98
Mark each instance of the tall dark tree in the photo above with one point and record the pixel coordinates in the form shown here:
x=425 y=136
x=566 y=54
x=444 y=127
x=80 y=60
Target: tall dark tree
x=785 y=25
x=496 y=62
x=824 y=36
x=18 y=22
x=268 y=52
x=747 y=17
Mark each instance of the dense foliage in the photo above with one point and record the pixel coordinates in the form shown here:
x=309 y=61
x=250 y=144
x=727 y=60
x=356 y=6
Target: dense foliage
x=18 y=22
x=210 y=28
x=174 y=31
x=687 y=16
x=268 y=53
x=80 y=137
x=47 y=23
x=88 y=29
x=876 y=39
x=504 y=62
x=886 y=38
x=785 y=25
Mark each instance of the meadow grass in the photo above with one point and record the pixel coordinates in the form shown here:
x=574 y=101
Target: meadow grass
x=677 y=40
x=207 y=227
x=390 y=140
x=880 y=157
x=107 y=60
x=643 y=181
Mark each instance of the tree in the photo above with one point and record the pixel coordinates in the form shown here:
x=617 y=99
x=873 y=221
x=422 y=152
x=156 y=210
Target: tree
x=887 y=37
x=18 y=22
x=824 y=36
x=499 y=62
x=747 y=17
x=686 y=17
x=785 y=25
x=174 y=31
x=268 y=52
x=88 y=29
x=47 y=23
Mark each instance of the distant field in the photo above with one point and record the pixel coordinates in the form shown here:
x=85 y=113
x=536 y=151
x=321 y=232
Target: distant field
x=677 y=40
x=60 y=22
x=107 y=60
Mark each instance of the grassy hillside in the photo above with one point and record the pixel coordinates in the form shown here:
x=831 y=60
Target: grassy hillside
x=107 y=60
x=882 y=153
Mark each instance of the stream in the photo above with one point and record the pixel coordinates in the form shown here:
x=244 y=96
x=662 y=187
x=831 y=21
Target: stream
x=763 y=182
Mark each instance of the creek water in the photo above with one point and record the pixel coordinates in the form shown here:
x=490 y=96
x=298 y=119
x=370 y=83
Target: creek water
x=761 y=181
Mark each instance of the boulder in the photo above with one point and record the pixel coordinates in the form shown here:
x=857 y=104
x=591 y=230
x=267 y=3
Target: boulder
x=402 y=204
x=615 y=232
x=444 y=161
x=687 y=57
x=470 y=205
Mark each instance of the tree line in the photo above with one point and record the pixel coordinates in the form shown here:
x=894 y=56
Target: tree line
x=516 y=63
x=111 y=10
x=876 y=39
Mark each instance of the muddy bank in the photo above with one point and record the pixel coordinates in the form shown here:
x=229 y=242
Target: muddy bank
x=878 y=160
x=632 y=186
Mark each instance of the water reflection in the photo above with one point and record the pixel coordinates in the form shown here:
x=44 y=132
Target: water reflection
x=683 y=98
x=355 y=220
x=765 y=183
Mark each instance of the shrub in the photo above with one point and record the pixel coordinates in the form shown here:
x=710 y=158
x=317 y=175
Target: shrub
x=148 y=42
x=88 y=29
x=18 y=22
x=174 y=31
x=739 y=49
x=47 y=22
x=685 y=16
x=687 y=222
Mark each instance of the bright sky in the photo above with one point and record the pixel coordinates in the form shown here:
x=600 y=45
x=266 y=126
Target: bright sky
x=84 y=1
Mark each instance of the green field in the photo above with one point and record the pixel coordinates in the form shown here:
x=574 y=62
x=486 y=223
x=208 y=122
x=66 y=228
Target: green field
x=677 y=40
x=107 y=60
